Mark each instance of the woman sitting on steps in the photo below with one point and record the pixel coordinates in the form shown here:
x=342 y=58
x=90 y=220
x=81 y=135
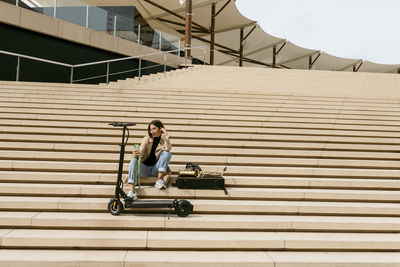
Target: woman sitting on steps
x=155 y=156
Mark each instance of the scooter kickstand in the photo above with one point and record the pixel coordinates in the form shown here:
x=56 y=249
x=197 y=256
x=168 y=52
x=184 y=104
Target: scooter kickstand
x=169 y=212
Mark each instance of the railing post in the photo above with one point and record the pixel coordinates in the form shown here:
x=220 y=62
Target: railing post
x=17 y=75
x=87 y=16
x=204 y=56
x=71 y=79
x=55 y=9
x=138 y=38
x=115 y=25
x=17 y=3
x=165 y=62
x=179 y=47
x=108 y=72
x=159 y=41
x=140 y=67
x=186 y=53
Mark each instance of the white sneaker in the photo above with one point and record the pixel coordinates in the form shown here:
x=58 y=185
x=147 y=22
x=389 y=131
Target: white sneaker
x=163 y=185
x=132 y=195
x=160 y=184
x=157 y=184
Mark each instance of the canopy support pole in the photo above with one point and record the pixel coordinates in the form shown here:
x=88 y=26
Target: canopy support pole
x=242 y=39
x=355 y=68
x=275 y=53
x=188 y=28
x=231 y=52
x=216 y=44
x=183 y=25
x=175 y=14
x=212 y=32
x=241 y=47
x=214 y=14
x=247 y=35
x=311 y=62
x=222 y=8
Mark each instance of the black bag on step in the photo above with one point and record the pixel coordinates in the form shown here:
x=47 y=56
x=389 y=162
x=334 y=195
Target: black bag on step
x=200 y=183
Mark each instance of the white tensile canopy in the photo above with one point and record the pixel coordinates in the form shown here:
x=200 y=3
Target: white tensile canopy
x=259 y=47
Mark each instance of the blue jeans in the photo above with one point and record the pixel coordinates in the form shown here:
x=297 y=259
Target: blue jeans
x=150 y=171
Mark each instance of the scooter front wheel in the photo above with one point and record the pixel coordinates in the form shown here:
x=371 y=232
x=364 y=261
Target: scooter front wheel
x=115 y=206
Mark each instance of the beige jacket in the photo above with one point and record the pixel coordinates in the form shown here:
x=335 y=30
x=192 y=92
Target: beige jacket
x=145 y=149
x=147 y=143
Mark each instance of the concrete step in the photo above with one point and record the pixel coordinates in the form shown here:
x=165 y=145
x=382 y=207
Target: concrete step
x=200 y=96
x=203 y=145
x=269 y=99
x=198 y=222
x=23 y=126
x=199 y=151
x=110 y=88
x=273 y=117
x=197 y=240
x=79 y=190
x=194 y=101
x=277 y=111
x=208 y=206
x=38 y=258
x=112 y=91
x=206 y=160
x=185 y=74
x=96 y=167
x=269 y=123
x=230 y=181
x=244 y=111
x=271 y=141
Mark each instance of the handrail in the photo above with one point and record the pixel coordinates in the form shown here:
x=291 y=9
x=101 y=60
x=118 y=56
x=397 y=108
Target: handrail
x=116 y=73
x=139 y=56
x=36 y=58
x=105 y=62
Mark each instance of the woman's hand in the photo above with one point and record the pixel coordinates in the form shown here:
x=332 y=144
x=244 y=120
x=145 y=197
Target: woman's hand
x=136 y=153
x=163 y=131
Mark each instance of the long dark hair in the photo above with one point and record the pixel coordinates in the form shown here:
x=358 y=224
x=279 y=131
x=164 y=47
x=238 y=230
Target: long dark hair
x=156 y=123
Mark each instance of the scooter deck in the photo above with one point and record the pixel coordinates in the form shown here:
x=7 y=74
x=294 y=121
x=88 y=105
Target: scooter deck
x=149 y=204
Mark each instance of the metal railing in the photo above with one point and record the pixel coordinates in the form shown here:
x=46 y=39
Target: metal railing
x=107 y=62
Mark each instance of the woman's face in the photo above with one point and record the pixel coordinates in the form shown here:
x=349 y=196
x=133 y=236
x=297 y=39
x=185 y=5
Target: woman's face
x=155 y=131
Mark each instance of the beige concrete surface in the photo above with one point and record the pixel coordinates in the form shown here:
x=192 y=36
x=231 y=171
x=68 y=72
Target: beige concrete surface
x=208 y=206
x=37 y=22
x=74 y=239
x=333 y=259
x=239 y=97
x=341 y=241
x=9 y=14
x=210 y=159
x=312 y=169
x=61 y=258
x=182 y=258
x=70 y=31
x=214 y=240
x=197 y=258
x=233 y=193
x=280 y=101
x=332 y=84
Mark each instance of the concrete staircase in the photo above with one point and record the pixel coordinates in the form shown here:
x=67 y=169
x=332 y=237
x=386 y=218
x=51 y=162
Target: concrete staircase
x=312 y=156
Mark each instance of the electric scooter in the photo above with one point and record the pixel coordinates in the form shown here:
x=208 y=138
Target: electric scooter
x=181 y=207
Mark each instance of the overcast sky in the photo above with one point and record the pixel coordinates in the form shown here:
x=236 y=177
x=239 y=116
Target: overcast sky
x=361 y=29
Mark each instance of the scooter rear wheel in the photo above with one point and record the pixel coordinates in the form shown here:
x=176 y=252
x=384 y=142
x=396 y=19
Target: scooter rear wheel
x=115 y=206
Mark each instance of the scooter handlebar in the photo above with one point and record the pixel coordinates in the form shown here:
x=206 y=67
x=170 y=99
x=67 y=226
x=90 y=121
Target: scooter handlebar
x=122 y=124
